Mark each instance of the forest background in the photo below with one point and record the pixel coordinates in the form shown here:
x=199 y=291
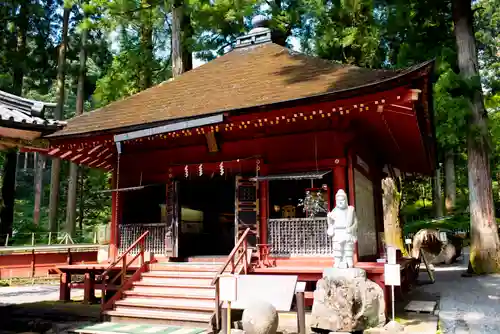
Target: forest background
x=88 y=53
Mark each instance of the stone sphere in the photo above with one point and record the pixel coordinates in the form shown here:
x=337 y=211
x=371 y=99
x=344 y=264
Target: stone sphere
x=259 y=21
x=260 y=318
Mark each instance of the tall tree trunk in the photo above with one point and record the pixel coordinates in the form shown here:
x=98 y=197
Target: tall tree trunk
x=391 y=200
x=146 y=39
x=20 y=61
x=437 y=198
x=8 y=194
x=10 y=164
x=82 y=194
x=73 y=168
x=450 y=184
x=484 y=253
x=182 y=32
x=56 y=163
x=38 y=165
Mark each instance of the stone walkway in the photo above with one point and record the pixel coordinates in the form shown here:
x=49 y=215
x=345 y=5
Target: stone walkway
x=468 y=305
x=32 y=293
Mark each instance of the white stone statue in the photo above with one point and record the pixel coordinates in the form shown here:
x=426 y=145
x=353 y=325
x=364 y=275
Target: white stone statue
x=342 y=228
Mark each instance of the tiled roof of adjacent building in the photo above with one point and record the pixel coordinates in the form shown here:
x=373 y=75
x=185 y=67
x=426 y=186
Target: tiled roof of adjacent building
x=17 y=112
x=252 y=77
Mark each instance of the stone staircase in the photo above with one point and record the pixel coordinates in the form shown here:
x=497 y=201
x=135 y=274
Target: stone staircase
x=174 y=293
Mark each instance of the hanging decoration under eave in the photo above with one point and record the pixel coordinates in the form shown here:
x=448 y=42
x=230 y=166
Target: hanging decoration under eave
x=376 y=106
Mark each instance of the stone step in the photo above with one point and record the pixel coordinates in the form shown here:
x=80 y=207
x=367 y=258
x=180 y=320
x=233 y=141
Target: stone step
x=186 y=266
x=178 y=274
x=178 y=317
x=168 y=303
x=173 y=281
x=165 y=292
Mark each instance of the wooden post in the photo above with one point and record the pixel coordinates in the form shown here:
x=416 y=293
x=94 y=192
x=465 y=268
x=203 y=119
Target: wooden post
x=89 y=288
x=69 y=259
x=141 y=246
x=113 y=235
x=301 y=312
x=263 y=205
x=124 y=269
x=217 y=307
x=352 y=194
x=32 y=263
x=64 y=288
x=339 y=180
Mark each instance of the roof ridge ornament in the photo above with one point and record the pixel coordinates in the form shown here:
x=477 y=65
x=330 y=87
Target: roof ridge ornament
x=260 y=33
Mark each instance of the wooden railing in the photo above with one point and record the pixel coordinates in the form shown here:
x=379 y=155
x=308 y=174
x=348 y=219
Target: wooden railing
x=239 y=261
x=107 y=279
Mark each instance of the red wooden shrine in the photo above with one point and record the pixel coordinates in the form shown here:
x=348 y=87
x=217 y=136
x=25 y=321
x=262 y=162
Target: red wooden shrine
x=235 y=143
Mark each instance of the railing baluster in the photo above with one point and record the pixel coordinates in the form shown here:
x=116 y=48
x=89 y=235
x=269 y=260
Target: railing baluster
x=217 y=305
x=245 y=259
x=124 y=268
x=139 y=243
x=141 y=247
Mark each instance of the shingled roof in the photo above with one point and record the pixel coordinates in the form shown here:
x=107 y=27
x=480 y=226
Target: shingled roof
x=19 y=112
x=244 y=78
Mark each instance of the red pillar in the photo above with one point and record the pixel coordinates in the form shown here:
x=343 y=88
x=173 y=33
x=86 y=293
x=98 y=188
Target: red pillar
x=352 y=195
x=113 y=235
x=263 y=206
x=339 y=179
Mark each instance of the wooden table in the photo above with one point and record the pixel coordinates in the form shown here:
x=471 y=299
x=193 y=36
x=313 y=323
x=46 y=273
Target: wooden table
x=90 y=272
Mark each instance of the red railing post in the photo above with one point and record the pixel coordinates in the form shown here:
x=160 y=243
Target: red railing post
x=140 y=242
x=124 y=269
x=141 y=246
x=103 y=291
x=241 y=243
x=245 y=256
x=217 y=305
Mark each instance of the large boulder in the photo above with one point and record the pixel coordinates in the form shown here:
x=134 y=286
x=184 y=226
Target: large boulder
x=260 y=318
x=346 y=304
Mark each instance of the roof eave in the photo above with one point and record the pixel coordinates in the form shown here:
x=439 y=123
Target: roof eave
x=374 y=87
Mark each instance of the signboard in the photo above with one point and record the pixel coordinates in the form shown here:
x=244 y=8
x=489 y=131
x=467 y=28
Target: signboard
x=228 y=288
x=392 y=274
x=277 y=290
x=391 y=255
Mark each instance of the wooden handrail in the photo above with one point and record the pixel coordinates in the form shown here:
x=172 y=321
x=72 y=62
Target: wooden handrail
x=235 y=261
x=120 y=258
x=231 y=256
x=123 y=272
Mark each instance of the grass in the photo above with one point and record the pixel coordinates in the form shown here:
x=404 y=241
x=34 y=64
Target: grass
x=21 y=281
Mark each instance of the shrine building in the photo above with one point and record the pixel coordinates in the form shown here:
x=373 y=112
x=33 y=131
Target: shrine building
x=229 y=149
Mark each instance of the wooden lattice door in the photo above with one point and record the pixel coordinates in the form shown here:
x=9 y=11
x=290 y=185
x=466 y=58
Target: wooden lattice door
x=172 y=221
x=247 y=209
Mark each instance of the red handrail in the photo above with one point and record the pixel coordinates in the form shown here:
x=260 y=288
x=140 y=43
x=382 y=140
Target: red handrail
x=123 y=272
x=241 y=245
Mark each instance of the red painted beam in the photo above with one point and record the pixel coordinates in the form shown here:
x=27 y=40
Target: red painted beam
x=21 y=265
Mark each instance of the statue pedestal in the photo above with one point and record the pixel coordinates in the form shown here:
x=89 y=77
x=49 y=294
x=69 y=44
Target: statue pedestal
x=346 y=273
x=345 y=301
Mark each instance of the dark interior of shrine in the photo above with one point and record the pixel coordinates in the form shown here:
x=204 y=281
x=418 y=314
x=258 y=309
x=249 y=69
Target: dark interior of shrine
x=207 y=215
x=142 y=206
x=284 y=196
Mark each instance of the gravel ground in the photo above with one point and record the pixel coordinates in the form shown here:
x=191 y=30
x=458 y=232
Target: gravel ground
x=467 y=304
x=32 y=293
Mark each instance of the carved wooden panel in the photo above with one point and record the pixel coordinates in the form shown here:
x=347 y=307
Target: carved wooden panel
x=247 y=209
